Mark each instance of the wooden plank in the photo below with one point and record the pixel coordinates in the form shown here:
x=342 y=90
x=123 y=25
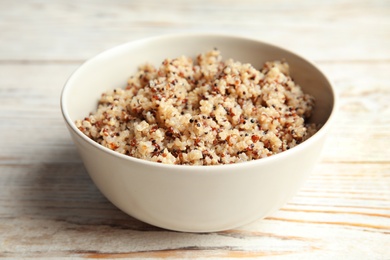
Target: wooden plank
x=59 y=30
x=31 y=127
x=60 y=204
x=49 y=207
x=361 y=129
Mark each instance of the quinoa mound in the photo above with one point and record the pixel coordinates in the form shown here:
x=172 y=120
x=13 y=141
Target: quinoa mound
x=203 y=111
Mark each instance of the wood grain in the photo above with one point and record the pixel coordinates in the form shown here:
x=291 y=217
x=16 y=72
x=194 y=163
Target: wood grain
x=42 y=30
x=49 y=208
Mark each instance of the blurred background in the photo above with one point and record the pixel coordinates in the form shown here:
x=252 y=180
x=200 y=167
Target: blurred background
x=76 y=30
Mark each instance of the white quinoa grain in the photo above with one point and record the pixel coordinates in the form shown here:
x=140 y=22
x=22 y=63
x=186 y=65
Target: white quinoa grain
x=203 y=111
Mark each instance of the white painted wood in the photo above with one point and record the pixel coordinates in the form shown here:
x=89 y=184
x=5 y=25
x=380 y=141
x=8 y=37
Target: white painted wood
x=50 y=208
x=62 y=30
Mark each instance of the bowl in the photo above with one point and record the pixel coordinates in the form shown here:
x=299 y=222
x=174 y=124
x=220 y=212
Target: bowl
x=193 y=198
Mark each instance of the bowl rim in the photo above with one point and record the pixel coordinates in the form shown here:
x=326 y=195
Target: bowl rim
x=71 y=125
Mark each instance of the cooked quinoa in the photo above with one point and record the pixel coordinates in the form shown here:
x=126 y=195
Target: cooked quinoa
x=203 y=111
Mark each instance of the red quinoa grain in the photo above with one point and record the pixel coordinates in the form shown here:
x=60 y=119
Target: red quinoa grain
x=205 y=111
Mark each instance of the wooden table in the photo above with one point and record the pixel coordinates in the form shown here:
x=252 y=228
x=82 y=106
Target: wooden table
x=50 y=208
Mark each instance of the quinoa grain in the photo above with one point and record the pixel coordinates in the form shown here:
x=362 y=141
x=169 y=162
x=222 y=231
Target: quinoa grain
x=203 y=112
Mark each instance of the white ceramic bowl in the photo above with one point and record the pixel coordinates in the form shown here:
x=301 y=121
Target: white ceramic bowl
x=193 y=198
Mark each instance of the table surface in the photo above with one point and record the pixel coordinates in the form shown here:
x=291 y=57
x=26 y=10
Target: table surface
x=50 y=208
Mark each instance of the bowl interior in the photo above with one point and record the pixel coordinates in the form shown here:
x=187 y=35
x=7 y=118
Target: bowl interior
x=215 y=198
x=112 y=68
